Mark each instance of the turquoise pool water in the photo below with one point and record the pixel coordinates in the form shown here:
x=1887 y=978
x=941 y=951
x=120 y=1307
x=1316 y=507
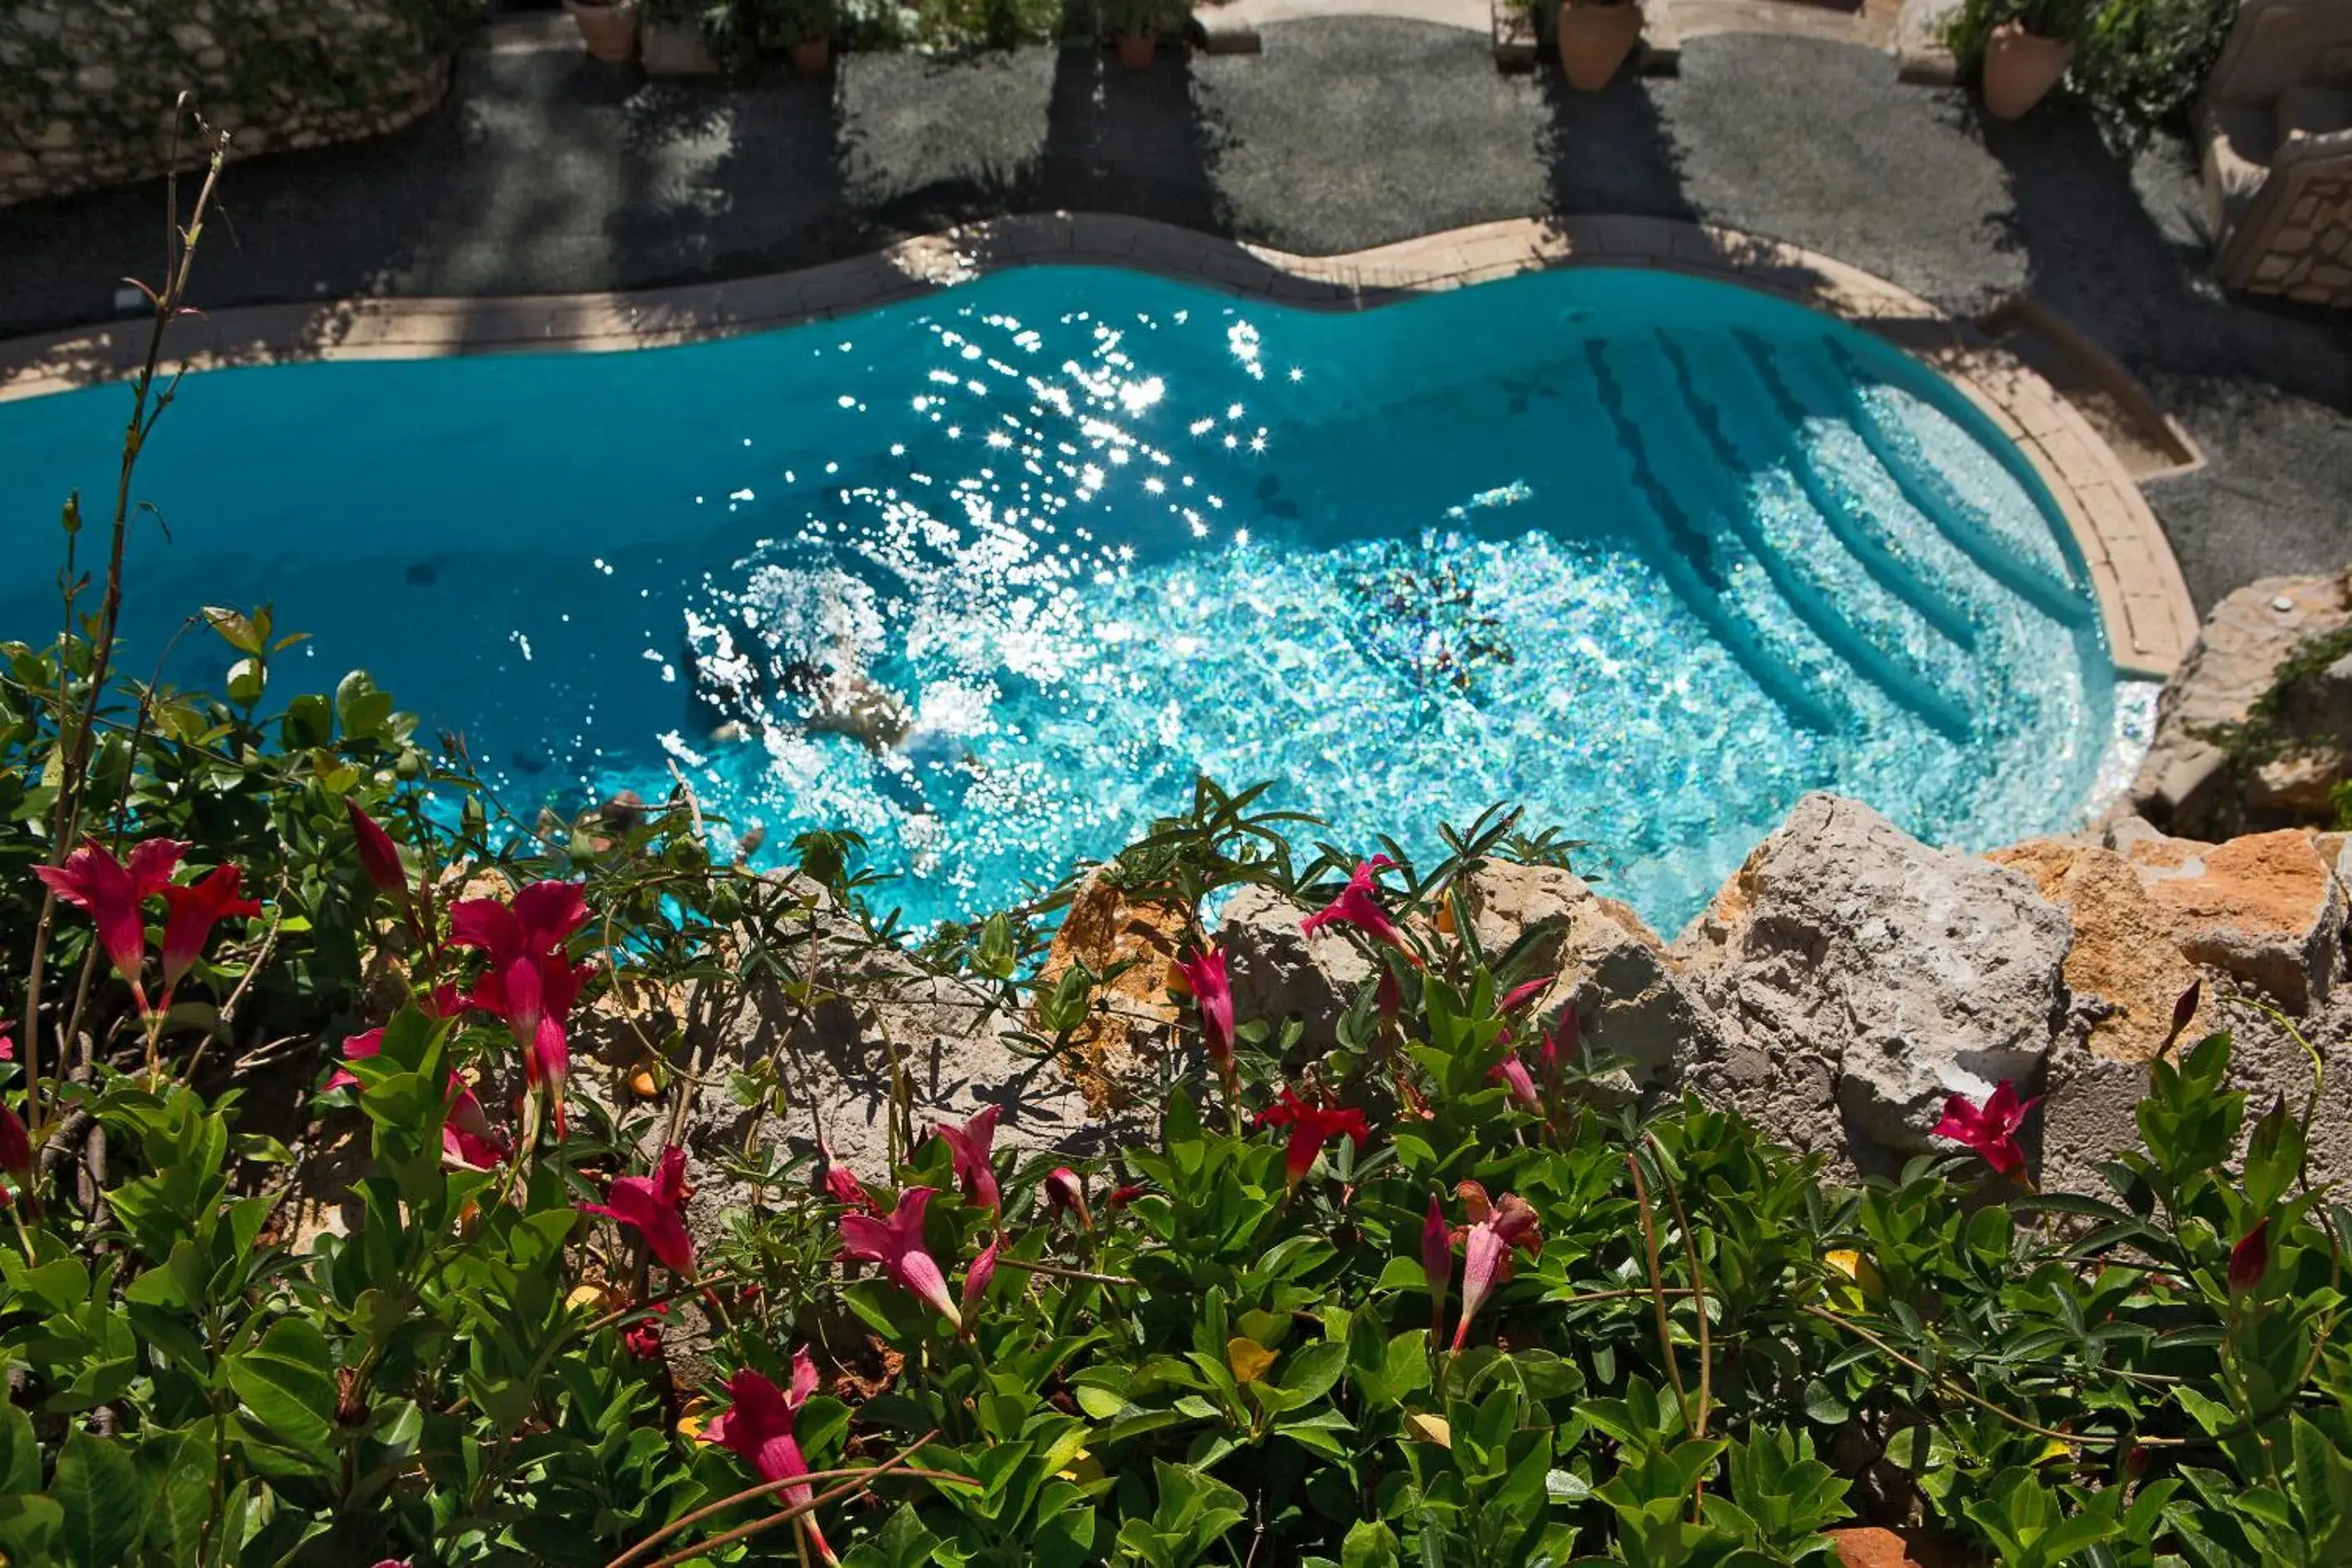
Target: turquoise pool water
x=990 y=576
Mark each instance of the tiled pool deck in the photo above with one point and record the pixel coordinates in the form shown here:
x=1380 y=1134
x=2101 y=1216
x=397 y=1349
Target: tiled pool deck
x=2142 y=597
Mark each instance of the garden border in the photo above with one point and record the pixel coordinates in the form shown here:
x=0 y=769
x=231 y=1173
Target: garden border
x=2144 y=600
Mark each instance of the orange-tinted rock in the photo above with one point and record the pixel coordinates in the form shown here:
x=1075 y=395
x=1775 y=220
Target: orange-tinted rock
x=1133 y=1012
x=2265 y=910
x=1868 y=1546
x=2125 y=950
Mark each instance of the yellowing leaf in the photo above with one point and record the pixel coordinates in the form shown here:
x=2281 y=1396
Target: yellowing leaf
x=693 y=1418
x=1845 y=1297
x=2053 y=1450
x=1430 y=1429
x=1248 y=1358
x=588 y=1299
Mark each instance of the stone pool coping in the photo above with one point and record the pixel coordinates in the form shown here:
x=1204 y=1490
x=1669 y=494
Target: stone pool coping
x=2144 y=601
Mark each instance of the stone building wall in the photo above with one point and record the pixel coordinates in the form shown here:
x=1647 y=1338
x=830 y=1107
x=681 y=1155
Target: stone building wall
x=86 y=86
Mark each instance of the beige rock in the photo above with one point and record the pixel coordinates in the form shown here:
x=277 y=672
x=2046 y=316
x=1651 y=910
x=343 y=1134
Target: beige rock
x=1630 y=994
x=2297 y=785
x=2234 y=660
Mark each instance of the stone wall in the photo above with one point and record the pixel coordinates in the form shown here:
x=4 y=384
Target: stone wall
x=2298 y=241
x=86 y=86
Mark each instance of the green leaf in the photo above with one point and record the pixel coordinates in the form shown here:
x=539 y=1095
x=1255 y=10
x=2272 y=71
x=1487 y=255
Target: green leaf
x=97 y=1486
x=1822 y=1403
x=287 y=1383
x=1369 y=1544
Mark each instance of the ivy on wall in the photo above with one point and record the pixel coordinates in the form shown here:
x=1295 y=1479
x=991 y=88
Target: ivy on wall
x=86 y=85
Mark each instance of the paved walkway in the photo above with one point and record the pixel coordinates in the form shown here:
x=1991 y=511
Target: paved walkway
x=548 y=173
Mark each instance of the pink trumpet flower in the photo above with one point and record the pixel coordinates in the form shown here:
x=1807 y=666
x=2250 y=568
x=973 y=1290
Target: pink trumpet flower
x=190 y=914
x=1357 y=907
x=1989 y=1129
x=1436 y=1262
x=1513 y=1073
x=1214 y=995
x=1311 y=1127
x=651 y=1207
x=379 y=856
x=896 y=1244
x=111 y=893
x=758 y=1429
x=1067 y=1194
x=973 y=1144
x=1485 y=1261
x=530 y=981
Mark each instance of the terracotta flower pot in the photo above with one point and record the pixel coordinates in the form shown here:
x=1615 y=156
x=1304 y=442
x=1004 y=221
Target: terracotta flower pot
x=1136 y=49
x=2019 y=70
x=676 y=48
x=1594 y=41
x=609 y=27
x=811 y=55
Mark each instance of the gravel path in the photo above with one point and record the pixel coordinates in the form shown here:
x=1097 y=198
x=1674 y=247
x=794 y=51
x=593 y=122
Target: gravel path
x=549 y=173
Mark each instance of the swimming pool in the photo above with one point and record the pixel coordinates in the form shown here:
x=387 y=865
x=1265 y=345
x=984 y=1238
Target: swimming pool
x=989 y=576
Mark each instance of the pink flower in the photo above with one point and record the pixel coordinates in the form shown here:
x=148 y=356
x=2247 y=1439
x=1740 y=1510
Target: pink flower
x=839 y=1181
x=1311 y=1127
x=652 y=1207
x=111 y=894
x=1519 y=996
x=1388 y=996
x=758 y=1429
x=1513 y=1072
x=15 y=1147
x=1214 y=995
x=379 y=856
x=1990 y=1129
x=7 y=1049
x=896 y=1244
x=1485 y=1261
x=971 y=1146
x=1559 y=1041
x=1121 y=1197
x=2251 y=1259
x=643 y=1339
x=976 y=1277
x=530 y=981
x=190 y=914
x=1355 y=907
x=1067 y=1194
x=1436 y=1261
x=467 y=1136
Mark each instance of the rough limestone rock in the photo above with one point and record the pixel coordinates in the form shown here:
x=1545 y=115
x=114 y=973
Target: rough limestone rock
x=1277 y=972
x=2088 y=1112
x=1630 y=997
x=2234 y=660
x=1132 y=1022
x=1847 y=959
x=879 y=1016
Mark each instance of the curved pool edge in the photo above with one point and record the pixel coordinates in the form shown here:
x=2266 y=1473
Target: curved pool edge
x=2144 y=604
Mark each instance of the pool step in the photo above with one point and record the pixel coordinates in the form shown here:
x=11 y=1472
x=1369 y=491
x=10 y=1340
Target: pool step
x=1829 y=386
x=1686 y=559
x=1702 y=454
x=1753 y=367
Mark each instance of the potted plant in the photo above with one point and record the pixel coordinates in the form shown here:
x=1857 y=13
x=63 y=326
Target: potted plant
x=2021 y=48
x=609 y=27
x=1135 y=26
x=805 y=27
x=1595 y=36
x=676 y=38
